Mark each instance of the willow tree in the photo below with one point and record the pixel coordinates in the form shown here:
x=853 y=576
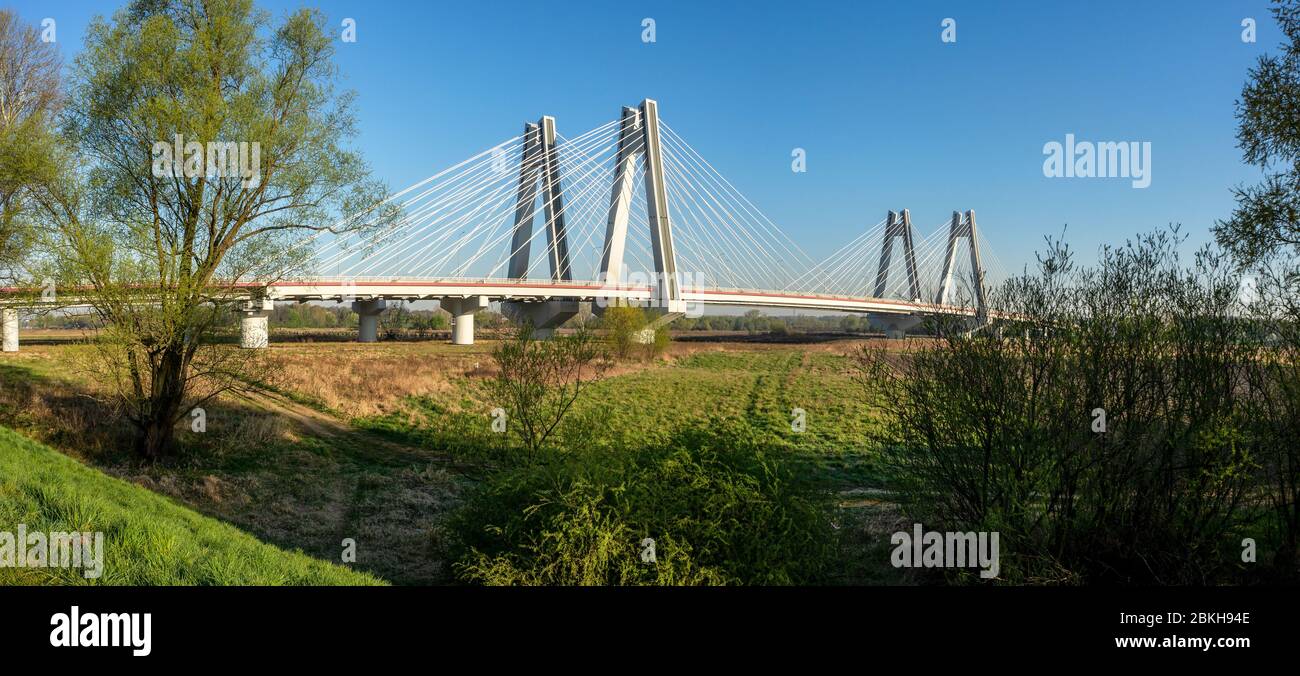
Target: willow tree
x=210 y=149
x=1266 y=221
x=29 y=100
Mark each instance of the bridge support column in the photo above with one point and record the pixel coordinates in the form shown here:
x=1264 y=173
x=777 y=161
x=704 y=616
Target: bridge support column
x=462 y=312
x=895 y=326
x=639 y=136
x=9 y=327
x=368 y=312
x=541 y=160
x=545 y=317
x=254 y=324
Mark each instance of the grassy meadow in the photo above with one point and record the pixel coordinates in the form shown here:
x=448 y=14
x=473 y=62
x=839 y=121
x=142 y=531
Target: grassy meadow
x=379 y=442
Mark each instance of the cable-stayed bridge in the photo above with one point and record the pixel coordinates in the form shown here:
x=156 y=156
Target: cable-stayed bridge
x=628 y=212
x=625 y=213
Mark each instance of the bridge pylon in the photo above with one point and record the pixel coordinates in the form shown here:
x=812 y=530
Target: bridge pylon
x=541 y=161
x=896 y=226
x=963 y=226
x=639 y=138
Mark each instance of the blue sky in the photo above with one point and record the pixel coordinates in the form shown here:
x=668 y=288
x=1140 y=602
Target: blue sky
x=889 y=115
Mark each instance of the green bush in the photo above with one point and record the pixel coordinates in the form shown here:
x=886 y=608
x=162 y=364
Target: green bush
x=622 y=325
x=1000 y=430
x=720 y=507
x=538 y=381
x=661 y=341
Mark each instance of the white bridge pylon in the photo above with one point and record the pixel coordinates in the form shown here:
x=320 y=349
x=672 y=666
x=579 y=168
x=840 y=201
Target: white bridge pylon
x=639 y=137
x=676 y=235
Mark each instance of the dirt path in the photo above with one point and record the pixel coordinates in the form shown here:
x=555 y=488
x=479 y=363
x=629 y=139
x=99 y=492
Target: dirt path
x=316 y=423
x=383 y=495
x=325 y=426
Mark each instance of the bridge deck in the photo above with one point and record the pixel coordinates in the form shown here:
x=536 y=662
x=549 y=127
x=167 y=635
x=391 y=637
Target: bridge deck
x=533 y=290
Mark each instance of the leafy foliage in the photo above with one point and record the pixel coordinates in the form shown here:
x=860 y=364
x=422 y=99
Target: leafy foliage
x=625 y=327
x=999 y=430
x=1266 y=221
x=622 y=324
x=29 y=101
x=538 y=381
x=720 y=507
x=162 y=255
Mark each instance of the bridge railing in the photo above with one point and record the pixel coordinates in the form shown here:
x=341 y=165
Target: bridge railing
x=595 y=286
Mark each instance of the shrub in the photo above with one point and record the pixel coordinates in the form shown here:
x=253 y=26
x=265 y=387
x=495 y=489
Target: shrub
x=995 y=430
x=1274 y=389
x=538 y=381
x=661 y=341
x=394 y=320
x=622 y=324
x=720 y=507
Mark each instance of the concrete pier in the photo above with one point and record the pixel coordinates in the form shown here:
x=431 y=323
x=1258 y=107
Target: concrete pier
x=254 y=325
x=9 y=327
x=462 y=316
x=368 y=312
x=895 y=326
x=545 y=316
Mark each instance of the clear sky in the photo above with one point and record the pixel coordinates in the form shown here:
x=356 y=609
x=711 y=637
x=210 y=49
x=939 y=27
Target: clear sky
x=890 y=116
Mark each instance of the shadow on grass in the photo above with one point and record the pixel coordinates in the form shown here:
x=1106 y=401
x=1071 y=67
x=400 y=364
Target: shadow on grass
x=254 y=469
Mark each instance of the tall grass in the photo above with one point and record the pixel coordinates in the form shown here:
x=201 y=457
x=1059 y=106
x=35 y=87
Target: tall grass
x=719 y=506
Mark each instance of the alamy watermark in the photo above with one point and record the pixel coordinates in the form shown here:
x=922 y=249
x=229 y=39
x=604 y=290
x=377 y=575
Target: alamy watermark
x=75 y=629
x=1099 y=420
x=650 y=290
x=1103 y=159
x=216 y=159
x=499 y=420
x=799 y=161
x=648 y=551
x=935 y=549
x=56 y=549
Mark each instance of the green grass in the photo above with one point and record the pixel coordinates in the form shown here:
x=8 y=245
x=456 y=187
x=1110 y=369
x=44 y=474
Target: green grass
x=148 y=539
x=755 y=389
x=759 y=390
x=387 y=483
